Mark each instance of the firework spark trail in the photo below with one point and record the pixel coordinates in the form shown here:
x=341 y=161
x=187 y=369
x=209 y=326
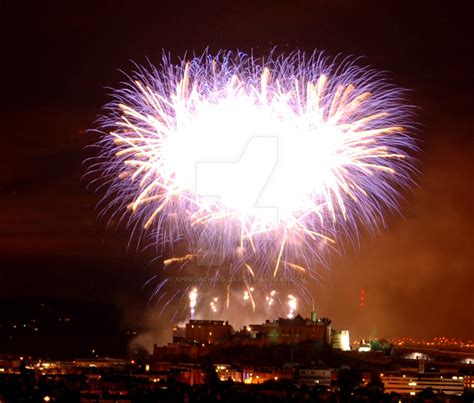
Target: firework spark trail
x=343 y=155
x=292 y=305
x=193 y=301
x=213 y=305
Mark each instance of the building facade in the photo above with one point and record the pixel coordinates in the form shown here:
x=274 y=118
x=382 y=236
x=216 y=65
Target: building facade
x=314 y=377
x=413 y=384
x=207 y=332
x=294 y=330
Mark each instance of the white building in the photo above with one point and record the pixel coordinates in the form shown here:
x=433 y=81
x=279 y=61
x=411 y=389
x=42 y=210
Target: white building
x=340 y=340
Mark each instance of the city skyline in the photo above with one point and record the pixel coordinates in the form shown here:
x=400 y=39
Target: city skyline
x=58 y=65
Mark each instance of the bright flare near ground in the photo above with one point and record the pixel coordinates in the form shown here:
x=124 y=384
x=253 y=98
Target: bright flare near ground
x=268 y=159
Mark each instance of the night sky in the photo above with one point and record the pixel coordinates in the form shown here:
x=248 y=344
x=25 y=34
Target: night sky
x=57 y=61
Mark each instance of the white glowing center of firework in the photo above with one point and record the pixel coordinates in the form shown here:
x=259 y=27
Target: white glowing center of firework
x=250 y=159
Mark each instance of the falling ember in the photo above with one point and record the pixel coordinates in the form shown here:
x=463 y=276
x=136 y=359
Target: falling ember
x=248 y=297
x=193 y=294
x=213 y=304
x=293 y=305
x=269 y=298
x=181 y=259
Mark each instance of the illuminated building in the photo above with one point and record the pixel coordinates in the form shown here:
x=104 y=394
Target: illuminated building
x=413 y=384
x=294 y=330
x=314 y=376
x=364 y=347
x=207 y=331
x=226 y=372
x=340 y=340
x=416 y=356
x=469 y=381
x=261 y=375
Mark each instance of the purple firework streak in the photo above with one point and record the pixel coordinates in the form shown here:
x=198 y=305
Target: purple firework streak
x=263 y=163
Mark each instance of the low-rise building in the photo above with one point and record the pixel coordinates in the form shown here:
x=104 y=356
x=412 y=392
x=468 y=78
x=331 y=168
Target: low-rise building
x=261 y=375
x=227 y=372
x=411 y=384
x=319 y=375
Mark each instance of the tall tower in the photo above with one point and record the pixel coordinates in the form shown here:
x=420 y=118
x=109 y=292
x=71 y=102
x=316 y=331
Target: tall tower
x=363 y=322
x=314 y=317
x=362 y=300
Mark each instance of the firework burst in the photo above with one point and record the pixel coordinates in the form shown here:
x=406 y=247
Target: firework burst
x=266 y=162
